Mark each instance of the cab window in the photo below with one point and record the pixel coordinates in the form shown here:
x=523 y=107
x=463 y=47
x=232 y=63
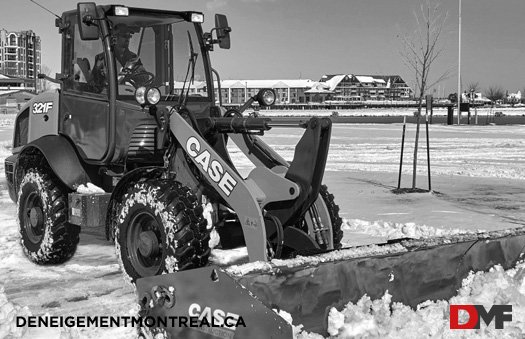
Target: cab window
x=80 y=61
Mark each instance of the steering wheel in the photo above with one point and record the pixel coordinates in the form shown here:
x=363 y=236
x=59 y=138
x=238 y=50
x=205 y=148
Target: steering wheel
x=136 y=79
x=135 y=74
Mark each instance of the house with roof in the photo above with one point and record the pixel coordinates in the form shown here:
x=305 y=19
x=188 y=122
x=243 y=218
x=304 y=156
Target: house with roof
x=318 y=93
x=350 y=87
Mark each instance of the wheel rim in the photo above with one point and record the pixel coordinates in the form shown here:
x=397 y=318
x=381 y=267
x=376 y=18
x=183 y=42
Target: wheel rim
x=33 y=217
x=144 y=243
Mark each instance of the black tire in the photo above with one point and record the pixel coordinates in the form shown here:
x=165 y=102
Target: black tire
x=160 y=229
x=333 y=212
x=46 y=236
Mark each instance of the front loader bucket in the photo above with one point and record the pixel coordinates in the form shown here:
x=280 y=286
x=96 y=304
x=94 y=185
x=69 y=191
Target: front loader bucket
x=307 y=287
x=214 y=300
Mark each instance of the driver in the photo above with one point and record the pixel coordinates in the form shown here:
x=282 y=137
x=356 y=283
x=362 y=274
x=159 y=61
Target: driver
x=126 y=60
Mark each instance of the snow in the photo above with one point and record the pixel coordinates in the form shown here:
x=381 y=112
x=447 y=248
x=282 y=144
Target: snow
x=381 y=318
x=483 y=112
x=478 y=176
x=390 y=230
x=301 y=261
x=89 y=188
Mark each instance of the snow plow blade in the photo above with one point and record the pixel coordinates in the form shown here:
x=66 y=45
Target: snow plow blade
x=214 y=300
x=307 y=287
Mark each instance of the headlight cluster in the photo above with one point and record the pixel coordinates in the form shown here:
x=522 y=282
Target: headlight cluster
x=147 y=96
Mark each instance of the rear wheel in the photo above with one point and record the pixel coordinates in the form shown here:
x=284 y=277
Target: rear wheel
x=46 y=236
x=160 y=229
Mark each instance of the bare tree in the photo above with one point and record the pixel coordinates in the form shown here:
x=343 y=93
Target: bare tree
x=495 y=93
x=473 y=87
x=419 y=52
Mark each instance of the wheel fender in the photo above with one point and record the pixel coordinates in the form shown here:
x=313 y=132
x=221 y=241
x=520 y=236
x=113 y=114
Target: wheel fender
x=123 y=185
x=61 y=157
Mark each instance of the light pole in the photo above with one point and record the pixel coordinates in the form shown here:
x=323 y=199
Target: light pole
x=459 y=66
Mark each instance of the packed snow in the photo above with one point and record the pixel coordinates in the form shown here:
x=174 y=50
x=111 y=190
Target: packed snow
x=478 y=179
x=89 y=188
x=382 y=318
x=390 y=230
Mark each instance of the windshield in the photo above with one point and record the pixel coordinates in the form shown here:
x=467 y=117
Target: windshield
x=157 y=51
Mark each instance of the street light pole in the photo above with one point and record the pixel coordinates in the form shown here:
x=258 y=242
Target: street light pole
x=459 y=66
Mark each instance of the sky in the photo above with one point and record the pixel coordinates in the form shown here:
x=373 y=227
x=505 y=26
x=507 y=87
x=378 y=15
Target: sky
x=292 y=39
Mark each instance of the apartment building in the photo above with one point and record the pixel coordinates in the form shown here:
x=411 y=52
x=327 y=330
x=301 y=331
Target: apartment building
x=350 y=87
x=20 y=57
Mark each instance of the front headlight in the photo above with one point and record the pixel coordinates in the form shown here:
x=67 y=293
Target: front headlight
x=147 y=96
x=153 y=96
x=140 y=95
x=266 y=97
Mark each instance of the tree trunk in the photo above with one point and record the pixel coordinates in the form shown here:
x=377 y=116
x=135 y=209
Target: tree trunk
x=414 y=170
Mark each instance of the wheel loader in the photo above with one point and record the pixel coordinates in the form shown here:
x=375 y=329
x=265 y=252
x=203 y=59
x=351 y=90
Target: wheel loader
x=136 y=142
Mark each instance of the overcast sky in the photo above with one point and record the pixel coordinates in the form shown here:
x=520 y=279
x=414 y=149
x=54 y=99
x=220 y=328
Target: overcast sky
x=289 y=39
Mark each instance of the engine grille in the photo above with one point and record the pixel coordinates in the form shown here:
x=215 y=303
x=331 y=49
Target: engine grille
x=142 y=142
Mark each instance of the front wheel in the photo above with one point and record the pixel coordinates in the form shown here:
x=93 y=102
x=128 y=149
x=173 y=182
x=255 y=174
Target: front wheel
x=333 y=213
x=323 y=215
x=46 y=236
x=160 y=229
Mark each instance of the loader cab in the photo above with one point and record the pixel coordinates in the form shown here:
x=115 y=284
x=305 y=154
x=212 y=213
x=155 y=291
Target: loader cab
x=130 y=49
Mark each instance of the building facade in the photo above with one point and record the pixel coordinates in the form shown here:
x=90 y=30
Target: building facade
x=287 y=92
x=350 y=87
x=20 y=56
x=340 y=88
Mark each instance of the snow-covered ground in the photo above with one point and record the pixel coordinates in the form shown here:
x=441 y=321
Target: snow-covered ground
x=478 y=182
x=482 y=112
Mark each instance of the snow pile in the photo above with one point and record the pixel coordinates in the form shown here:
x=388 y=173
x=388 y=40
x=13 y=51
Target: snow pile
x=383 y=318
x=297 y=330
x=227 y=257
x=392 y=230
x=89 y=188
x=8 y=314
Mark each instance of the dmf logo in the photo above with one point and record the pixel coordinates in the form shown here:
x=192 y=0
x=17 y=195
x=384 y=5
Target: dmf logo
x=500 y=313
x=42 y=107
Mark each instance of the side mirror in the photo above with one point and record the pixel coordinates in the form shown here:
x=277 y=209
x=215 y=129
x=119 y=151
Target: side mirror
x=87 y=13
x=223 y=31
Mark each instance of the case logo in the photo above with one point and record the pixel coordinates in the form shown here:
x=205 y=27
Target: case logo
x=215 y=317
x=42 y=107
x=210 y=166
